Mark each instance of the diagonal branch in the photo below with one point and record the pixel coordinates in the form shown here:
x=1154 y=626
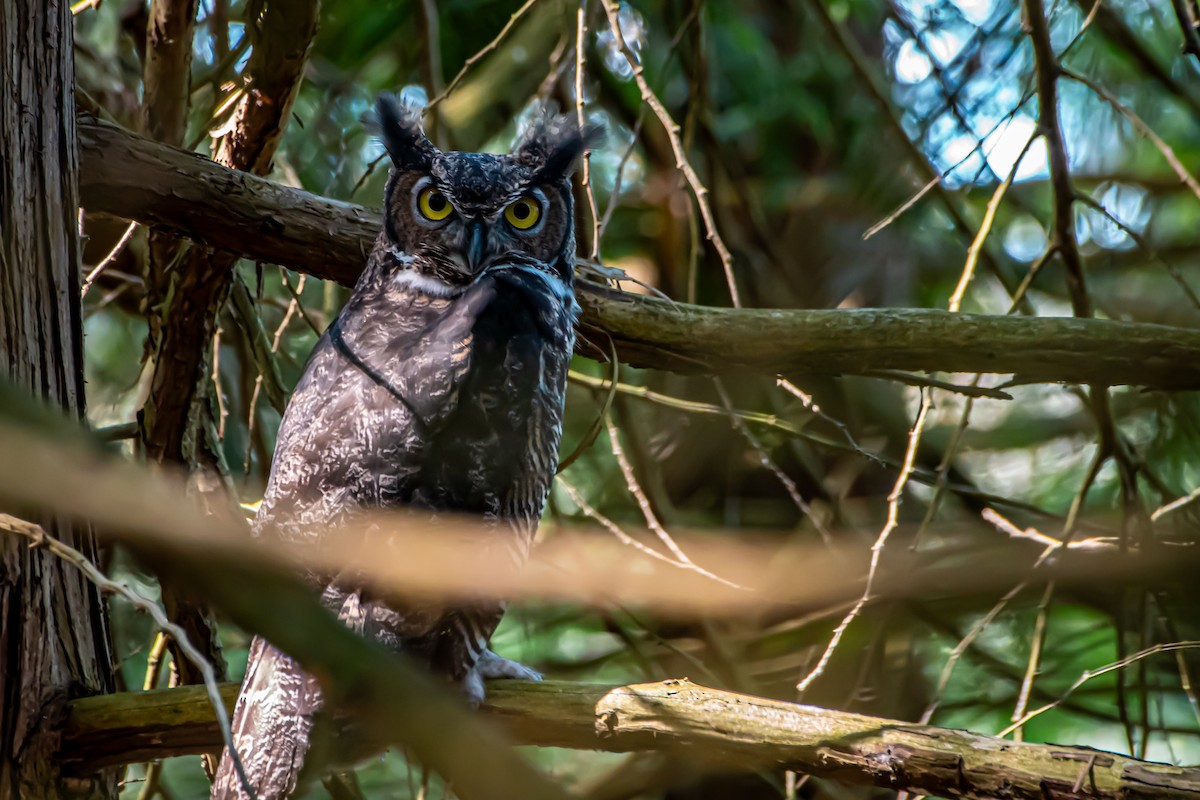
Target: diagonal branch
x=130 y=177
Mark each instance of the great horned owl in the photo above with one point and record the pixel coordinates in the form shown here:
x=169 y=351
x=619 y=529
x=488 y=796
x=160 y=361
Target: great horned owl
x=440 y=385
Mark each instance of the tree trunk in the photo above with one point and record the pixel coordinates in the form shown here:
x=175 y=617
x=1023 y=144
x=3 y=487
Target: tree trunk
x=53 y=629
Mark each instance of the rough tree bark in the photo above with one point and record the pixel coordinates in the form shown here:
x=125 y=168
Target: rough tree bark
x=724 y=729
x=53 y=629
x=180 y=421
x=133 y=178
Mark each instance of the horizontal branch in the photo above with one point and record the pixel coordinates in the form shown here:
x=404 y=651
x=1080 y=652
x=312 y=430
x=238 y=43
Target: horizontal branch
x=130 y=177
x=733 y=730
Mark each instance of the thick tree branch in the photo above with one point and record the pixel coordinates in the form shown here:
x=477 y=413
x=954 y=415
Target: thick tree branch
x=130 y=177
x=390 y=701
x=737 y=730
x=178 y=417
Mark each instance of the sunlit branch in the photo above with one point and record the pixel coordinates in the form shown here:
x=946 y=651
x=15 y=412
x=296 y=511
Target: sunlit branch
x=893 y=519
x=727 y=730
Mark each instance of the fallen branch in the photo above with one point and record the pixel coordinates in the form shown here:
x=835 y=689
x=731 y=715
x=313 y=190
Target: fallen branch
x=131 y=177
x=735 y=730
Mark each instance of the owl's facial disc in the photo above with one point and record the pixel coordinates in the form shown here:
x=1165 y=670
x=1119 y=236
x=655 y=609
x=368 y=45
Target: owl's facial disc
x=458 y=234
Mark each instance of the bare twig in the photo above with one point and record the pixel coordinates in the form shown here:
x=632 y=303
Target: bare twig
x=893 y=519
x=1038 y=641
x=1140 y=241
x=475 y=59
x=104 y=262
x=1094 y=544
x=643 y=502
x=1142 y=127
x=1175 y=505
x=985 y=227
x=1087 y=675
x=40 y=539
x=681 y=161
x=765 y=459
x=585 y=171
x=615 y=196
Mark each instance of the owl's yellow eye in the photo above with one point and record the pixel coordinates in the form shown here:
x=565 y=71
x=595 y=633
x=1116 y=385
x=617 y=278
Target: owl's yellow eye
x=433 y=204
x=523 y=214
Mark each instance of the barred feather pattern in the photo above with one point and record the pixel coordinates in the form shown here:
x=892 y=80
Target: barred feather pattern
x=439 y=400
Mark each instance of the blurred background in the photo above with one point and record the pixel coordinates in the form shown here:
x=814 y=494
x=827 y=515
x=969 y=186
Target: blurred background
x=812 y=123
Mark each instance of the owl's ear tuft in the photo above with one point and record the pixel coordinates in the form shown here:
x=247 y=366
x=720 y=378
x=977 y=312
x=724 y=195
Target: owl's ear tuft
x=552 y=144
x=399 y=126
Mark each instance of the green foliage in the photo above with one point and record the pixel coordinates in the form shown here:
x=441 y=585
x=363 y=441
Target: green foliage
x=801 y=161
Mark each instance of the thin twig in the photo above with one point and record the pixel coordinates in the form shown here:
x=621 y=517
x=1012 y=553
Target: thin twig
x=893 y=519
x=585 y=170
x=681 y=161
x=1140 y=241
x=1038 y=641
x=590 y=511
x=972 y=389
x=433 y=49
x=597 y=425
x=643 y=502
x=1141 y=126
x=964 y=644
x=1175 y=505
x=985 y=227
x=475 y=59
x=615 y=195
x=1087 y=675
x=765 y=459
x=1093 y=544
x=40 y=539
x=104 y=262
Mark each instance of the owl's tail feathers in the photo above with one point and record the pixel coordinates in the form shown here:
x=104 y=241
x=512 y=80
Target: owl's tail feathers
x=272 y=727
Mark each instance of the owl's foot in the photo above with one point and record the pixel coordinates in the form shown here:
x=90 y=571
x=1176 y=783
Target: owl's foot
x=492 y=666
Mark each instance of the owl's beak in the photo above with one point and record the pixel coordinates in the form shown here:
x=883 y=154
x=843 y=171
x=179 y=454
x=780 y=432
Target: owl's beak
x=476 y=244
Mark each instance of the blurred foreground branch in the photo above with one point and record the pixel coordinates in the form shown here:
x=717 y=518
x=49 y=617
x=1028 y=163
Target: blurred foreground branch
x=131 y=177
x=729 y=729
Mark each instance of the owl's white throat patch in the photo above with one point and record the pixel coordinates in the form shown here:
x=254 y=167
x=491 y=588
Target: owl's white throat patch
x=411 y=278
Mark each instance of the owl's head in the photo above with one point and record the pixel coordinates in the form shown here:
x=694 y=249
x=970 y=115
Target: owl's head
x=451 y=215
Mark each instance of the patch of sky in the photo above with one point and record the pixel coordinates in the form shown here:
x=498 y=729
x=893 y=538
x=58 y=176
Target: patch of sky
x=204 y=44
x=633 y=31
x=959 y=86
x=1025 y=239
x=1127 y=204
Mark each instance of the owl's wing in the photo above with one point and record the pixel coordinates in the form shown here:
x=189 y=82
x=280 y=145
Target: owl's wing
x=271 y=727
x=357 y=425
x=374 y=394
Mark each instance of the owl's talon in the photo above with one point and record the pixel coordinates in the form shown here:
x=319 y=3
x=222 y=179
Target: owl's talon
x=492 y=666
x=472 y=688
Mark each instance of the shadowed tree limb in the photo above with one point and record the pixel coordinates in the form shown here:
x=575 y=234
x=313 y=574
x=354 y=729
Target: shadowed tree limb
x=133 y=178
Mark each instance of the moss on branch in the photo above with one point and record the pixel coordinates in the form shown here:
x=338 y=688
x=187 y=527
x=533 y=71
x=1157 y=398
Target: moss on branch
x=131 y=177
x=739 y=731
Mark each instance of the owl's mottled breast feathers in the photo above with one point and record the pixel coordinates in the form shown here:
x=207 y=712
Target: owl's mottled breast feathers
x=439 y=387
